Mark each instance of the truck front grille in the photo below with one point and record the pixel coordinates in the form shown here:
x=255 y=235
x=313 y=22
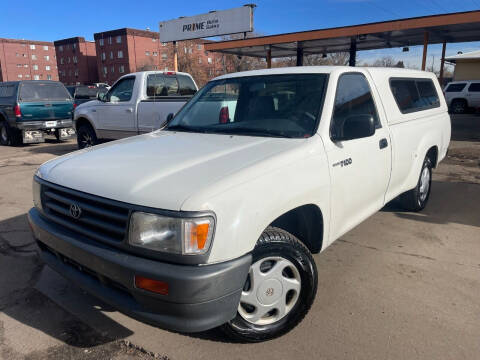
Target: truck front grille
x=90 y=216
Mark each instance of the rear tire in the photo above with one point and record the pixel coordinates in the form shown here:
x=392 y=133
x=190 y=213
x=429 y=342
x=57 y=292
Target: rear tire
x=8 y=136
x=279 y=290
x=417 y=198
x=458 y=106
x=86 y=136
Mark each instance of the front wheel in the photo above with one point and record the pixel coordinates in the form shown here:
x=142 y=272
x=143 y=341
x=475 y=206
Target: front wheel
x=279 y=290
x=86 y=137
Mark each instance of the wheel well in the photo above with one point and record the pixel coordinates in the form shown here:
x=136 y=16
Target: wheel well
x=80 y=122
x=304 y=222
x=459 y=99
x=432 y=154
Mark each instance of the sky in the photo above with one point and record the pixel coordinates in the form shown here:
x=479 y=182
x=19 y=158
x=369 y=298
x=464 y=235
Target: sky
x=58 y=19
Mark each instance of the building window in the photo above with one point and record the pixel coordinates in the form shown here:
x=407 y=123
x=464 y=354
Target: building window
x=111 y=54
x=101 y=42
x=61 y=61
x=164 y=56
x=154 y=40
x=49 y=77
x=34 y=57
x=75 y=59
x=32 y=47
x=36 y=77
x=121 y=69
x=74 y=46
x=60 y=48
x=47 y=57
x=27 y=75
x=155 y=53
x=103 y=56
x=199 y=46
x=147 y=53
x=25 y=65
x=206 y=53
x=25 y=55
x=185 y=50
x=110 y=40
x=45 y=47
x=19 y=65
x=19 y=76
x=68 y=59
x=200 y=60
x=209 y=60
x=164 y=44
x=35 y=67
x=76 y=72
x=119 y=39
x=105 y=70
x=47 y=67
x=120 y=54
x=112 y=69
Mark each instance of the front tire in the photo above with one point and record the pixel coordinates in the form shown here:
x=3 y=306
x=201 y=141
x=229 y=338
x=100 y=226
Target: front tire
x=86 y=137
x=417 y=198
x=458 y=106
x=279 y=290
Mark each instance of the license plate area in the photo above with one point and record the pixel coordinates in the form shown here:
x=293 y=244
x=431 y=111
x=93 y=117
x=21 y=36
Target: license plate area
x=66 y=133
x=50 y=124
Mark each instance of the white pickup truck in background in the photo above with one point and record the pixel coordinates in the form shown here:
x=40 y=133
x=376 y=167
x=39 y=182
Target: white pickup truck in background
x=137 y=103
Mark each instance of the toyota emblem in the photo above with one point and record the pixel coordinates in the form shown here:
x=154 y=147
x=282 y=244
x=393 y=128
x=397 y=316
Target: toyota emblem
x=75 y=211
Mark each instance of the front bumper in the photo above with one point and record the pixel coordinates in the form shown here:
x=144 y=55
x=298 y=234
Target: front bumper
x=199 y=297
x=44 y=125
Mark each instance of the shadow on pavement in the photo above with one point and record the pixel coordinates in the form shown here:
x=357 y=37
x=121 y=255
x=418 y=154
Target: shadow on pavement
x=52 y=147
x=449 y=202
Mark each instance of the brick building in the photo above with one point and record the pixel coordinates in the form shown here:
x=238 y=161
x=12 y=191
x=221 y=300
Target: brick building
x=76 y=61
x=123 y=51
x=27 y=60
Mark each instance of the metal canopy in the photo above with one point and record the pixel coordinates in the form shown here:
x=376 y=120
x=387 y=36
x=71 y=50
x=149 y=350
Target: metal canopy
x=451 y=28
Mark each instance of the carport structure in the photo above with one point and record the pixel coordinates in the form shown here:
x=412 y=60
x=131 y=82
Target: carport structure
x=425 y=30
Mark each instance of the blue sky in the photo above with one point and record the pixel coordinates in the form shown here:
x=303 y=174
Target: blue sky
x=57 y=19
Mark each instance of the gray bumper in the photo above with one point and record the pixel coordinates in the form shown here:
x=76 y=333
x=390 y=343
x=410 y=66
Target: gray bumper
x=199 y=297
x=42 y=125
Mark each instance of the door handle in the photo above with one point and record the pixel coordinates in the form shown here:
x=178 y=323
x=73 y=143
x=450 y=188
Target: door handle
x=129 y=110
x=383 y=143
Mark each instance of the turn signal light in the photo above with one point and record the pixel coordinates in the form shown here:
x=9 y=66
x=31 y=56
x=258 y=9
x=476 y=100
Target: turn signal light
x=17 y=111
x=156 y=286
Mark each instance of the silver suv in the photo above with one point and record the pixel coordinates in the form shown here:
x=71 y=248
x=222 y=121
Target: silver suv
x=462 y=95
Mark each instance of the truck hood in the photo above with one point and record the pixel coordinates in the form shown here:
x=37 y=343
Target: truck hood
x=161 y=169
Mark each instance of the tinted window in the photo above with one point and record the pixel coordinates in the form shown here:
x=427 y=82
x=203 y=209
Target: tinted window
x=37 y=91
x=353 y=98
x=161 y=85
x=414 y=94
x=475 y=87
x=86 y=92
x=455 y=87
x=122 y=90
x=71 y=90
x=186 y=85
x=7 y=90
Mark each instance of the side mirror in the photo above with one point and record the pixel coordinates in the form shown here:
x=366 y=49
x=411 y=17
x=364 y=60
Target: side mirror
x=356 y=127
x=101 y=96
x=167 y=120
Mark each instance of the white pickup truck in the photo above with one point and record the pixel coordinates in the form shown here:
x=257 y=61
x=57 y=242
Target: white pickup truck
x=213 y=220
x=137 y=103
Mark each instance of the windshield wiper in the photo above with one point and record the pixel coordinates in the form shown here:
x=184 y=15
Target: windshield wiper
x=249 y=131
x=182 y=128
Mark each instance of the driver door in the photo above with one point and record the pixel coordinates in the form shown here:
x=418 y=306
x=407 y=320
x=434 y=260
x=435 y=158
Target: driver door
x=359 y=167
x=116 y=118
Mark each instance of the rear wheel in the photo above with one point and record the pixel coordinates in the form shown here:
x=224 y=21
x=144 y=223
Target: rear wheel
x=9 y=136
x=458 y=106
x=86 y=136
x=417 y=198
x=279 y=290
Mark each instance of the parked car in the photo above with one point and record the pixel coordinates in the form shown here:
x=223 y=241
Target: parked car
x=137 y=103
x=31 y=109
x=102 y=85
x=83 y=93
x=462 y=95
x=213 y=220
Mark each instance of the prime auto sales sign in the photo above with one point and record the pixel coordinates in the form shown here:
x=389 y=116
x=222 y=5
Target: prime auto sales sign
x=214 y=23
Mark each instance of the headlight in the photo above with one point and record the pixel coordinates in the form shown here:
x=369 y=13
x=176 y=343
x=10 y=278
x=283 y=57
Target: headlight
x=190 y=236
x=37 y=198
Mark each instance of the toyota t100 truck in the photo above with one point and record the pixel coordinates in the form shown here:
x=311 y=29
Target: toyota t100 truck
x=212 y=221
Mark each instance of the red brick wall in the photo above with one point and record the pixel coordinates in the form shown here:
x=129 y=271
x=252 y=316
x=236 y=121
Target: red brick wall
x=76 y=61
x=19 y=62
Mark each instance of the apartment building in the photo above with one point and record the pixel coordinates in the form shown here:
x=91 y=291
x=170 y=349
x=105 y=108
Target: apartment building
x=27 y=60
x=127 y=50
x=76 y=61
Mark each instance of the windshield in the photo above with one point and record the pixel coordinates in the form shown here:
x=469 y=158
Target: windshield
x=38 y=91
x=269 y=105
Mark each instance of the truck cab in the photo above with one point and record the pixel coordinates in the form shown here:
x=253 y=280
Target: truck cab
x=137 y=103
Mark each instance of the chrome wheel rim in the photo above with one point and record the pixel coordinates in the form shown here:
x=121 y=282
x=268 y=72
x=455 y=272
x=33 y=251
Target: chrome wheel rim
x=424 y=184
x=272 y=289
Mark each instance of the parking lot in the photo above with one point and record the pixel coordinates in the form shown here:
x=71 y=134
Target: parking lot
x=399 y=286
